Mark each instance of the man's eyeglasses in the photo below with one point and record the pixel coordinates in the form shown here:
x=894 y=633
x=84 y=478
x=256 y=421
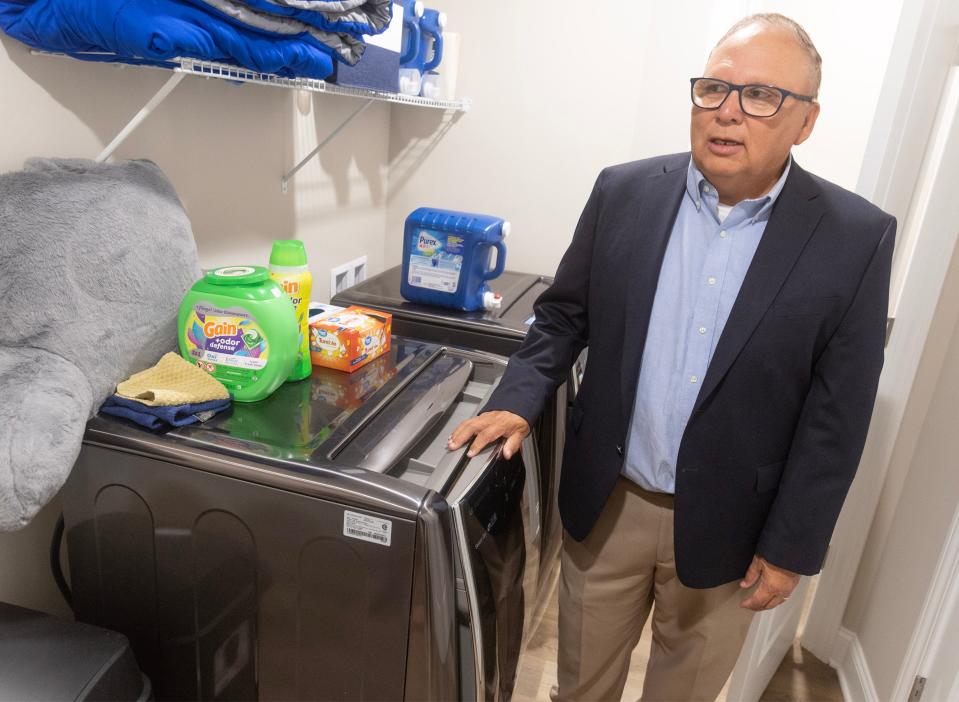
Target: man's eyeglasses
x=754 y=100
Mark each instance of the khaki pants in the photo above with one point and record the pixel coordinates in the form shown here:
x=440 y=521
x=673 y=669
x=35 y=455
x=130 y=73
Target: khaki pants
x=608 y=584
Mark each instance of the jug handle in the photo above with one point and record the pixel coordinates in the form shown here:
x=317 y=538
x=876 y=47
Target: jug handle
x=500 y=261
x=414 y=44
x=437 y=51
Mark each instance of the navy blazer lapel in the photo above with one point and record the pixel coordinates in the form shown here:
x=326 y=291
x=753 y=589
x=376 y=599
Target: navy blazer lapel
x=794 y=218
x=654 y=218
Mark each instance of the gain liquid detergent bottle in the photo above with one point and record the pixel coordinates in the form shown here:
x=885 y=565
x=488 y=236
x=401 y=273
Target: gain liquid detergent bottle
x=240 y=326
x=288 y=268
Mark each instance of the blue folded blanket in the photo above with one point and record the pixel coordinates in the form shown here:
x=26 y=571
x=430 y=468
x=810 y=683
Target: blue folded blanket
x=155 y=31
x=161 y=417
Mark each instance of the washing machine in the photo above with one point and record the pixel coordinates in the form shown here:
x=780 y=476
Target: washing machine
x=499 y=331
x=321 y=544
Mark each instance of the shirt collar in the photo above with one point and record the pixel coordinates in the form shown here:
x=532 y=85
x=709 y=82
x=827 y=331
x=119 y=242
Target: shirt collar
x=700 y=189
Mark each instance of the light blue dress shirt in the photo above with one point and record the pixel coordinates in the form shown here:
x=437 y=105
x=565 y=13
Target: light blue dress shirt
x=704 y=266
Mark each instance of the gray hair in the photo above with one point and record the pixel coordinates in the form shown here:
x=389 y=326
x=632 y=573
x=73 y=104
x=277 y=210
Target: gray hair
x=774 y=19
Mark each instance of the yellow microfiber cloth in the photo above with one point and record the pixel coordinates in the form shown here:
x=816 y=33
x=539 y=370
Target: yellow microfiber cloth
x=172 y=381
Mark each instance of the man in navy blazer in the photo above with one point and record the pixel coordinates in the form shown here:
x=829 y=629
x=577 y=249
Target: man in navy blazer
x=769 y=418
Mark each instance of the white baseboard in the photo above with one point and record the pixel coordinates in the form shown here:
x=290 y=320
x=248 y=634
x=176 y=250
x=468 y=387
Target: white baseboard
x=840 y=648
x=850 y=663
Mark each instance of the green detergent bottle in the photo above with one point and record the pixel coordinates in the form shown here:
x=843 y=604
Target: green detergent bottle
x=240 y=326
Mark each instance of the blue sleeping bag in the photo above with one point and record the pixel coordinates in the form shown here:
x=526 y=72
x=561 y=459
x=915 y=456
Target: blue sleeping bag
x=357 y=18
x=155 y=31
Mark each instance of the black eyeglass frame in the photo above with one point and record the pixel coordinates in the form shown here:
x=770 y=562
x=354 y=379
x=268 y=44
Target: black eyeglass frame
x=739 y=87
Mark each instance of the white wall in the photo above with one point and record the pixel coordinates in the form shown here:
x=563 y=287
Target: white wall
x=224 y=147
x=552 y=104
x=560 y=91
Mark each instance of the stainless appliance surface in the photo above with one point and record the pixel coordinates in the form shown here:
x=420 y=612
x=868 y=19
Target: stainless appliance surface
x=320 y=544
x=496 y=331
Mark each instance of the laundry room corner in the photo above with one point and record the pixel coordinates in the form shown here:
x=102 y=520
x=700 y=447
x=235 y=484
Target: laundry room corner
x=483 y=351
x=225 y=148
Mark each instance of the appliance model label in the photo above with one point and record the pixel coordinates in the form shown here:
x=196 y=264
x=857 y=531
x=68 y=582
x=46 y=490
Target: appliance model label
x=435 y=261
x=367 y=528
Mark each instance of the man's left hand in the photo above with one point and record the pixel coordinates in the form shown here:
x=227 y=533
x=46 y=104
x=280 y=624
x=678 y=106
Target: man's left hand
x=775 y=584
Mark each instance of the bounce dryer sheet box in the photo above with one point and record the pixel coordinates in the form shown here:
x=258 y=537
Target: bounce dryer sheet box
x=347 y=338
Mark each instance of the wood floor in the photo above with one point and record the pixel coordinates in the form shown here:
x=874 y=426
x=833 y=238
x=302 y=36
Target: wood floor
x=800 y=678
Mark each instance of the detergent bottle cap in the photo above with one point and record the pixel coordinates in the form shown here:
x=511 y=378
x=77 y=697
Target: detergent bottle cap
x=492 y=301
x=506 y=229
x=288 y=252
x=237 y=275
x=418 y=8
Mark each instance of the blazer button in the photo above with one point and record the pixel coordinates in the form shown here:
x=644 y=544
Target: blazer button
x=619 y=449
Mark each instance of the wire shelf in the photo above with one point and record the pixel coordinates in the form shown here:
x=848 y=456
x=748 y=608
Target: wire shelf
x=182 y=67
x=210 y=69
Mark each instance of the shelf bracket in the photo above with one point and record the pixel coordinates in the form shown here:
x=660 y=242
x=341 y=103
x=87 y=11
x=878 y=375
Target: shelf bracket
x=160 y=96
x=284 y=182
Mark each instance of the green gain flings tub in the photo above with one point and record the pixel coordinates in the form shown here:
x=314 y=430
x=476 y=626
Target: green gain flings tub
x=238 y=325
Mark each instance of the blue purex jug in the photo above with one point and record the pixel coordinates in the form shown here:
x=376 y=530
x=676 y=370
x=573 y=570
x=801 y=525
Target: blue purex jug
x=446 y=258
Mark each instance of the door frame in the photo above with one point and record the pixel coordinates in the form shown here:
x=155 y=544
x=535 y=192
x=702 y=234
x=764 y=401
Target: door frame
x=941 y=600
x=925 y=47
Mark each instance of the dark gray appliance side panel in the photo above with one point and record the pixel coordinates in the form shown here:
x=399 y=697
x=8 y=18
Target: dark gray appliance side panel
x=551 y=439
x=233 y=590
x=491 y=514
x=114 y=602
x=432 y=668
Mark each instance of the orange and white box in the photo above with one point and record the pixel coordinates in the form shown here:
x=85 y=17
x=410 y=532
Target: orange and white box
x=347 y=338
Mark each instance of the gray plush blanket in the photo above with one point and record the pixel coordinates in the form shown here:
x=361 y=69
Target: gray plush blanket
x=94 y=259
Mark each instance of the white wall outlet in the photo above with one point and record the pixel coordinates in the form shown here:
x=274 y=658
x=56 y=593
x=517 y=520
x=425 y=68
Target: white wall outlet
x=347 y=275
x=340 y=279
x=359 y=270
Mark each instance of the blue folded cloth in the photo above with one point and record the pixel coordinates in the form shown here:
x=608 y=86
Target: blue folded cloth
x=155 y=31
x=162 y=417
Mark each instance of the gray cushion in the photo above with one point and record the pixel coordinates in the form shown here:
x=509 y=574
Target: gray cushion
x=94 y=260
